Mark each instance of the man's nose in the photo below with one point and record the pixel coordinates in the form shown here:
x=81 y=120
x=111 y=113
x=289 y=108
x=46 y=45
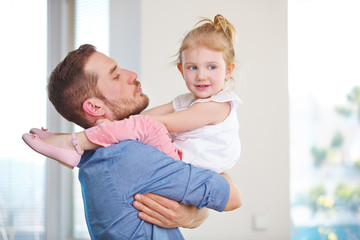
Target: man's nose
x=132 y=77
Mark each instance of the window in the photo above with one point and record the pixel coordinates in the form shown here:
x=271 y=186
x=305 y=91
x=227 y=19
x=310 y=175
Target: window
x=23 y=97
x=324 y=87
x=91 y=26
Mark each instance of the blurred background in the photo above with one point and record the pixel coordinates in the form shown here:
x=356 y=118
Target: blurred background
x=297 y=75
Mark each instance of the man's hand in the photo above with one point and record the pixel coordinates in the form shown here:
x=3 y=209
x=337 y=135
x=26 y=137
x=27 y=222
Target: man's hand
x=168 y=213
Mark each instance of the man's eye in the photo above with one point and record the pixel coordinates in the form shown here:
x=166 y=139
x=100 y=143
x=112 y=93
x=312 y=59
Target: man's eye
x=192 y=68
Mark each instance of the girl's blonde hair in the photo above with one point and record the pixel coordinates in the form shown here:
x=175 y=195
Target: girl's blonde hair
x=218 y=35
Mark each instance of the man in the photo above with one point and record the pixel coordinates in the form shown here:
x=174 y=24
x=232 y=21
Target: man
x=88 y=86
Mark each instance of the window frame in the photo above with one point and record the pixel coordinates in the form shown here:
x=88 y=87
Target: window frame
x=58 y=210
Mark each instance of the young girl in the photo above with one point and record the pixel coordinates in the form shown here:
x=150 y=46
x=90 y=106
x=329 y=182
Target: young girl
x=203 y=123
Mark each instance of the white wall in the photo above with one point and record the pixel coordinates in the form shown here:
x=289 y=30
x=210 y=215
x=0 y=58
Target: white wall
x=261 y=81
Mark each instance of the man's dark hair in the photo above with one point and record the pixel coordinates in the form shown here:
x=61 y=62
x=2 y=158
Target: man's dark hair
x=69 y=85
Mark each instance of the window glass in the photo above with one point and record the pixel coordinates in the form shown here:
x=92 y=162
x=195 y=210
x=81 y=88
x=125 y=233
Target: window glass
x=23 y=59
x=92 y=24
x=324 y=88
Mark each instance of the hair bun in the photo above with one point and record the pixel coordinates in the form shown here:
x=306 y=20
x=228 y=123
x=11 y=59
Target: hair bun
x=220 y=22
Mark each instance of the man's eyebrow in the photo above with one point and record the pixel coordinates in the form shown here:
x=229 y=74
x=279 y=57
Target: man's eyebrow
x=112 y=70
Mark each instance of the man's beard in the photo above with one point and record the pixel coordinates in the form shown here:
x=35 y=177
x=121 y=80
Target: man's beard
x=123 y=108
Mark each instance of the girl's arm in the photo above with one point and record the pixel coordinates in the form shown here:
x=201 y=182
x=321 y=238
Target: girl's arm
x=159 y=110
x=198 y=115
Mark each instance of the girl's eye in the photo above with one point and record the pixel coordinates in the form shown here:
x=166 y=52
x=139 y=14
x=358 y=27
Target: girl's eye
x=192 y=67
x=212 y=67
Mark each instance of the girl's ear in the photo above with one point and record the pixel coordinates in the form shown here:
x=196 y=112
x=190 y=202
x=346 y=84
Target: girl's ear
x=179 y=66
x=229 y=70
x=94 y=107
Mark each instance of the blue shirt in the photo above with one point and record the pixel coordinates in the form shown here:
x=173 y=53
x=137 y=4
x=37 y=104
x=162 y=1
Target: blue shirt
x=111 y=176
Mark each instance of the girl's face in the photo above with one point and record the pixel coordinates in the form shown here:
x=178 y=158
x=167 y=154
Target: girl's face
x=204 y=71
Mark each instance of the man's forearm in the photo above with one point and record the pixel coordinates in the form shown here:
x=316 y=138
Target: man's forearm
x=234 y=201
x=201 y=216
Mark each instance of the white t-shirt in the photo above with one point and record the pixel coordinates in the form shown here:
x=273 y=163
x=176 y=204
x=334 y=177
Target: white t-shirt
x=215 y=147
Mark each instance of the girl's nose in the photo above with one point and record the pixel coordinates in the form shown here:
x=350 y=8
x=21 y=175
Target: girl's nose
x=201 y=75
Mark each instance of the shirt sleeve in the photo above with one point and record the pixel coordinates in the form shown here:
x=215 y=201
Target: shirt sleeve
x=206 y=189
x=181 y=181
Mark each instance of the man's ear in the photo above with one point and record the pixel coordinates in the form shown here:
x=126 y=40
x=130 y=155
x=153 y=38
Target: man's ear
x=94 y=107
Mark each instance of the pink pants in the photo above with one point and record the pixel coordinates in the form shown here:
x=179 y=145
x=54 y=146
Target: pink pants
x=138 y=127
